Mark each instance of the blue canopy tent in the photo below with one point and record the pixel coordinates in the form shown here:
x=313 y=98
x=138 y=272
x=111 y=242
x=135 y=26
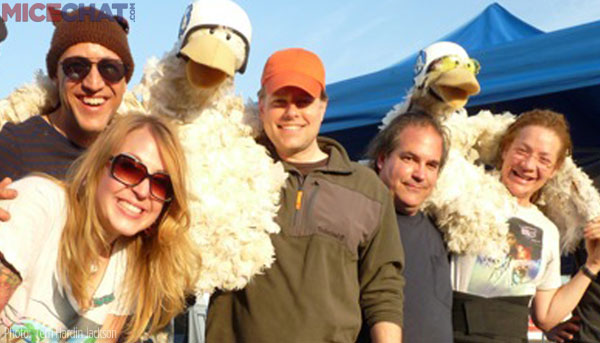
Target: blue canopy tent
x=522 y=68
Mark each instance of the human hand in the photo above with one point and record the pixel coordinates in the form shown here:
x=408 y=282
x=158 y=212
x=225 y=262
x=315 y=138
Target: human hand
x=6 y=194
x=564 y=331
x=591 y=233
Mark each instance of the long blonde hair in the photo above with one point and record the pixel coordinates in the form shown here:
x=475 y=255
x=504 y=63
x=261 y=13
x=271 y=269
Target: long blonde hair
x=162 y=262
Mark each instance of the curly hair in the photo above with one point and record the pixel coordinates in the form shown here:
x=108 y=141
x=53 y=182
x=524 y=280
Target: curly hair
x=548 y=119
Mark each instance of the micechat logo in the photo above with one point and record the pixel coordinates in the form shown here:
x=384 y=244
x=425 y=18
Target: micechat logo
x=38 y=12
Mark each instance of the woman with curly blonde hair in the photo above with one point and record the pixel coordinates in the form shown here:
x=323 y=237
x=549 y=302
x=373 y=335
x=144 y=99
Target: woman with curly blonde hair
x=107 y=251
x=493 y=297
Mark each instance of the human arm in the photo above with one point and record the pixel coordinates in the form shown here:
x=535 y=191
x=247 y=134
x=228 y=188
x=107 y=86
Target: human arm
x=6 y=194
x=11 y=161
x=22 y=238
x=380 y=271
x=550 y=307
x=11 y=165
x=9 y=281
x=386 y=332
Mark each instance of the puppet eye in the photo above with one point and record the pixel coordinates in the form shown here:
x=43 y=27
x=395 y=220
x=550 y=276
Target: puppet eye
x=476 y=66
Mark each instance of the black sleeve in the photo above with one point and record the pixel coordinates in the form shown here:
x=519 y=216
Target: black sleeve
x=11 y=158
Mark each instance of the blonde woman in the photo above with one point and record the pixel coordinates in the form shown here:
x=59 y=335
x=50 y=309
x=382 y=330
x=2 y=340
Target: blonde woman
x=108 y=251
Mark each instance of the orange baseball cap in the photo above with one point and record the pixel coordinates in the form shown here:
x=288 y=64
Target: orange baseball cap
x=294 y=67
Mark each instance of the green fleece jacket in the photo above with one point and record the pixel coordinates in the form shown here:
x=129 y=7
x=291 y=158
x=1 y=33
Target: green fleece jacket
x=338 y=254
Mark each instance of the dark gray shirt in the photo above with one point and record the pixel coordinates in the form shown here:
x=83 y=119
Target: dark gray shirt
x=427 y=292
x=588 y=308
x=35 y=146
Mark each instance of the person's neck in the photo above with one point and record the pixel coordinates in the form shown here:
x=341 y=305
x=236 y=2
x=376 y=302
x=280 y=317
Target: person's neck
x=67 y=126
x=310 y=155
x=407 y=212
x=105 y=252
x=524 y=202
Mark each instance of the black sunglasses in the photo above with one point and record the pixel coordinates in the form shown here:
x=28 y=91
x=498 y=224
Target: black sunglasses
x=129 y=171
x=77 y=68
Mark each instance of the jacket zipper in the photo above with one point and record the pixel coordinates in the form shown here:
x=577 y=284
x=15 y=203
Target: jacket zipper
x=303 y=207
x=313 y=194
x=298 y=204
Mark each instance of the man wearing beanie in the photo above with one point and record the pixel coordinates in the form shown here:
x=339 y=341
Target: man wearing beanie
x=338 y=258
x=90 y=63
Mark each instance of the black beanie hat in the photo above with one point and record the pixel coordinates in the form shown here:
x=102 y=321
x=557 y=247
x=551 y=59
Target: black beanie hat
x=89 y=25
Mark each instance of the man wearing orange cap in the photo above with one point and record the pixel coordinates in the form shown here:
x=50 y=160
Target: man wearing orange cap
x=339 y=253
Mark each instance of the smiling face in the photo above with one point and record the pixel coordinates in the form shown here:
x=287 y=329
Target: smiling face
x=292 y=118
x=127 y=210
x=87 y=106
x=529 y=162
x=412 y=168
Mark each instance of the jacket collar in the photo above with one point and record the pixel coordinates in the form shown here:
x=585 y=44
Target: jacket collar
x=338 y=163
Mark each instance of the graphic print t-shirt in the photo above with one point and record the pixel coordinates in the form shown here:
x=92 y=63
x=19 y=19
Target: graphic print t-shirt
x=533 y=260
x=42 y=309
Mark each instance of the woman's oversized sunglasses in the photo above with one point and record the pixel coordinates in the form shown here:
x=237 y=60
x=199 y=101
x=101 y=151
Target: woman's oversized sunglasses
x=77 y=68
x=129 y=171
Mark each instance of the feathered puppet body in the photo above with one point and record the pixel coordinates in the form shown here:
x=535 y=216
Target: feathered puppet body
x=234 y=185
x=470 y=204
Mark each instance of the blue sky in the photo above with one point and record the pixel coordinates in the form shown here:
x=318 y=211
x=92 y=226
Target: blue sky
x=353 y=37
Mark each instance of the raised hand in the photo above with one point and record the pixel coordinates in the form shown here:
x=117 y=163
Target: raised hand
x=6 y=194
x=591 y=233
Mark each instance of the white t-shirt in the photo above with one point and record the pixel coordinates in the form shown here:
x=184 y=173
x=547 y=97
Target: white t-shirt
x=29 y=242
x=533 y=262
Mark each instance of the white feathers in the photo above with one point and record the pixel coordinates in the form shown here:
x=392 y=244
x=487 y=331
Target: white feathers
x=39 y=96
x=570 y=200
x=234 y=184
x=471 y=206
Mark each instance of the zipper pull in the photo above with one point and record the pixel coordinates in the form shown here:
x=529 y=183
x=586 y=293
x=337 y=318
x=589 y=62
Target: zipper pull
x=299 y=199
x=301 y=180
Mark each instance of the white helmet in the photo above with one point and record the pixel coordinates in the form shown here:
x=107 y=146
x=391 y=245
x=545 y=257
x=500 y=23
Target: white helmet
x=216 y=13
x=432 y=53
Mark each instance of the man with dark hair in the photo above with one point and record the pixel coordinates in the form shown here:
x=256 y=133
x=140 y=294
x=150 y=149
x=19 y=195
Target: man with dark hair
x=90 y=63
x=339 y=252
x=408 y=156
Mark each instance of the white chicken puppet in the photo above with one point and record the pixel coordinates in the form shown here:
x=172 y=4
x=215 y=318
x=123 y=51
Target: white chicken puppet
x=470 y=205
x=233 y=183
